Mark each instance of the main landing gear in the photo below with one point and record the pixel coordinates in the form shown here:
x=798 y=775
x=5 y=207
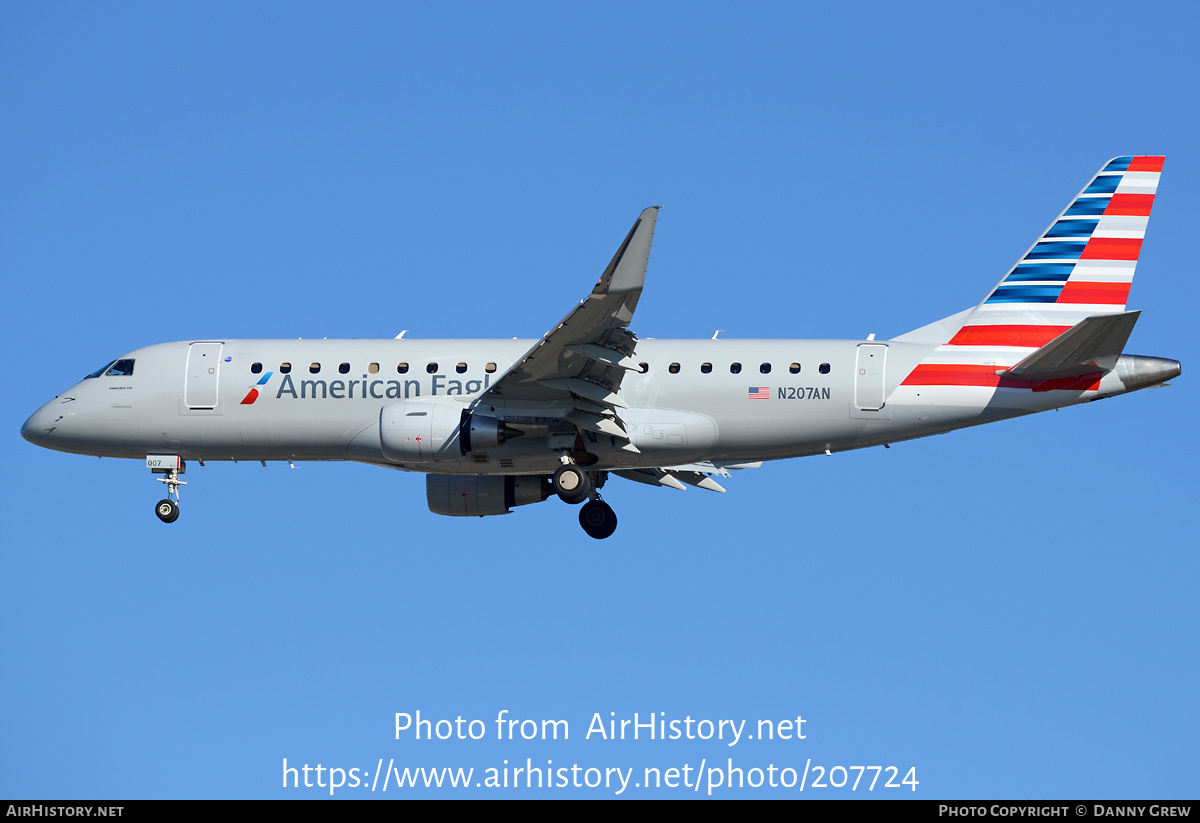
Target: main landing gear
x=598 y=519
x=574 y=485
x=168 y=509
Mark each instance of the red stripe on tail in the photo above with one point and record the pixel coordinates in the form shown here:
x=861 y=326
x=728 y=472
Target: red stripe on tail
x=1146 y=163
x=1130 y=205
x=1029 y=336
x=1083 y=292
x=1111 y=248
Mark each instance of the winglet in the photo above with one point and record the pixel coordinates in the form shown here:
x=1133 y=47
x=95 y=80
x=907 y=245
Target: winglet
x=627 y=270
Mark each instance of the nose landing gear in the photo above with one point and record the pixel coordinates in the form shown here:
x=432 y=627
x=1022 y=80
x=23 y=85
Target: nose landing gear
x=167 y=511
x=170 y=466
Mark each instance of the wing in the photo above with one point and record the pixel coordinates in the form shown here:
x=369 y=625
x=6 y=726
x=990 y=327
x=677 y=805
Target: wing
x=574 y=372
x=693 y=474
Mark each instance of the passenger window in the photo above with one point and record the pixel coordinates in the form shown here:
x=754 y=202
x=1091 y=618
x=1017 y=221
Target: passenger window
x=314 y=368
x=285 y=368
x=794 y=368
x=373 y=368
x=460 y=368
x=490 y=368
x=765 y=368
x=344 y=368
x=122 y=368
x=735 y=368
x=645 y=367
x=673 y=368
x=431 y=368
x=823 y=368
x=256 y=368
x=402 y=368
x=706 y=368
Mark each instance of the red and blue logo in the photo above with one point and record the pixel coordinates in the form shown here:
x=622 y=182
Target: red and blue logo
x=253 y=394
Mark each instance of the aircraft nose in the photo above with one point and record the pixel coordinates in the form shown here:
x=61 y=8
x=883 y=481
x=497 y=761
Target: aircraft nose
x=37 y=426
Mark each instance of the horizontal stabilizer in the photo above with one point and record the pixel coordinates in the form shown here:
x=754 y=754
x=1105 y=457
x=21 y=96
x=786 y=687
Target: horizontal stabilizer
x=1091 y=345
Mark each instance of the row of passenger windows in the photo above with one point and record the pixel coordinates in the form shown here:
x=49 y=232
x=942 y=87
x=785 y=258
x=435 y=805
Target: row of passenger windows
x=490 y=368
x=736 y=368
x=372 y=368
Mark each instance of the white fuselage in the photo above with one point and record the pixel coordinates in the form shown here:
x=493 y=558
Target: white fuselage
x=698 y=400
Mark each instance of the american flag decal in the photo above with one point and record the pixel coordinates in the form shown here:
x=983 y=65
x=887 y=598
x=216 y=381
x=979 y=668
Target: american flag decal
x=760 y=393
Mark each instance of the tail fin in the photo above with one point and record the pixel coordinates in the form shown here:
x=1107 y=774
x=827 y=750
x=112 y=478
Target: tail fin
x=1082 y=265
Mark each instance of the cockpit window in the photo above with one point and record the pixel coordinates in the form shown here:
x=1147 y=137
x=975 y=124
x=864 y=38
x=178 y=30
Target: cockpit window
x=122 y=368
x=102 y=369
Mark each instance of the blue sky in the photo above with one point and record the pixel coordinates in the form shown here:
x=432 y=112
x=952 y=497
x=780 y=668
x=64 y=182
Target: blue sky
x=1009 y=609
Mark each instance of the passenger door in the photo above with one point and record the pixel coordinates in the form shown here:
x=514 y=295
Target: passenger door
x=203 y=375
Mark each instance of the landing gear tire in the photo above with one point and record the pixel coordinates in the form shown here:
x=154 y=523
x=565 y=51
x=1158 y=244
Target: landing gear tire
x=571 y=484
x=598 y=519
x=167 y=511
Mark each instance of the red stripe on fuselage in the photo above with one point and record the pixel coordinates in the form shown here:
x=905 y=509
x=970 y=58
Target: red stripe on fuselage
x=1031 y=336
x=941 y=374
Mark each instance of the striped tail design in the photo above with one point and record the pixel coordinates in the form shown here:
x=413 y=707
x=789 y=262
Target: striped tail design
x=1082 y=265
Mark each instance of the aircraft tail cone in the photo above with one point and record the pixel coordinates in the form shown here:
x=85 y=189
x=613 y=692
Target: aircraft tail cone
x=1137 y=372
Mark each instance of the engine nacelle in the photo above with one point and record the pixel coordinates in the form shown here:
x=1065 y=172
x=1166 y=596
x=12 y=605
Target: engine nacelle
x=459 y=495
x=420 y=431
x=417 y=431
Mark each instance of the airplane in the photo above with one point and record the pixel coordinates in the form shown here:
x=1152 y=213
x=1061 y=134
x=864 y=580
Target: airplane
x=497 y=424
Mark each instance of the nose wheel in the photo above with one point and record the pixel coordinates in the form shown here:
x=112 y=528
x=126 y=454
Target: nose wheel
x=167 y=511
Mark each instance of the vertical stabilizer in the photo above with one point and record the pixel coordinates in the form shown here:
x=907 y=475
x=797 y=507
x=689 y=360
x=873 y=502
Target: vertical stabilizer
x=1082 y=265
